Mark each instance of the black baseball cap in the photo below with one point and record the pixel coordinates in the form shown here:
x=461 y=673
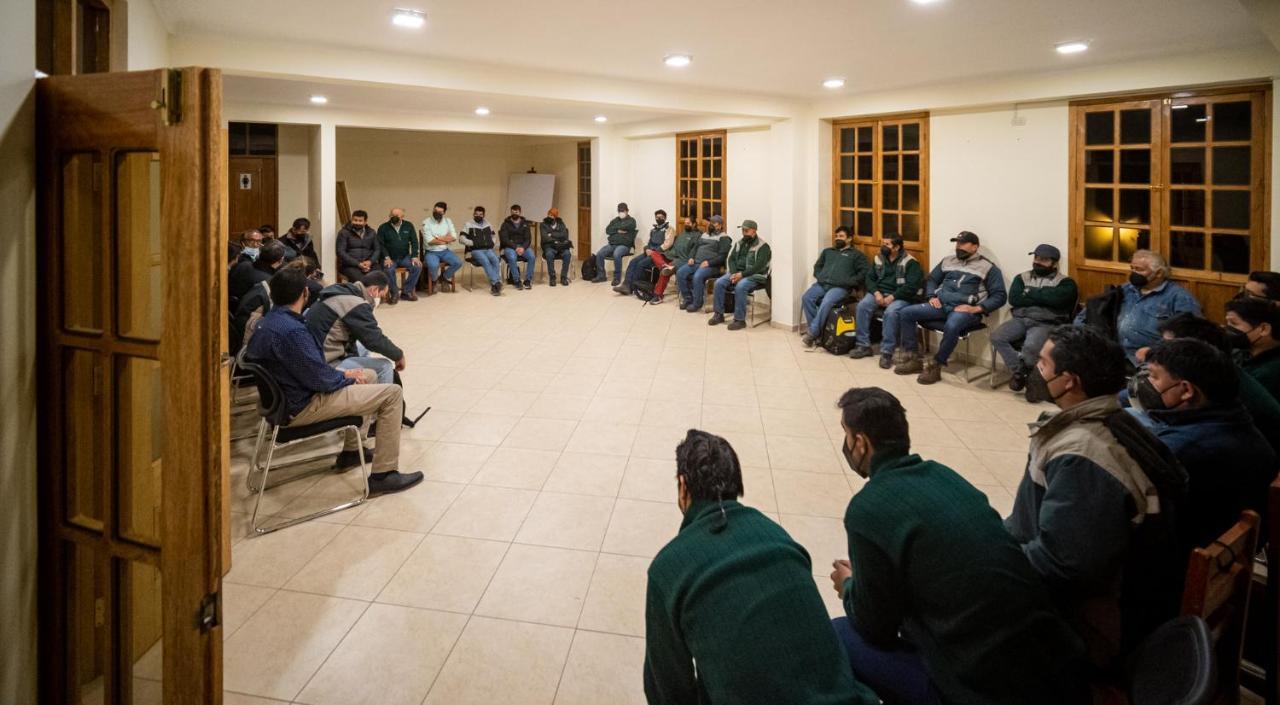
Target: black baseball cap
x=1047 y=252
x=966 y=236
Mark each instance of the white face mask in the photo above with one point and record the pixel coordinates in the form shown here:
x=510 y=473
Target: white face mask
x=377 y=301
x=622 y=214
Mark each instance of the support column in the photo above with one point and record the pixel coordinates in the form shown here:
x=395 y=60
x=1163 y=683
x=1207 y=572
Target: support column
x=323 y=195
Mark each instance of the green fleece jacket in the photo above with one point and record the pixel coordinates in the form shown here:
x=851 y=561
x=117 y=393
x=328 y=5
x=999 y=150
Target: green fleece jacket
x=903 y=278
x=683 y=248
x=621 y=231
x=1049 y=299
x=845 y=267
x=751 y=257
x=399 y=242
x=1265 y=367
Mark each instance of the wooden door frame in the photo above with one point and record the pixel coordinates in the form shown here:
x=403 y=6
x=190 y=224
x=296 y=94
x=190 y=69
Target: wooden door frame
x=875 y=122
x=584 y=209
x=699 y=136
x=270 y=189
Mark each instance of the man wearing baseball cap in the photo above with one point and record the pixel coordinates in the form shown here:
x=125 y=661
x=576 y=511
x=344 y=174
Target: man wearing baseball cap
x=960 y=290
x=747 y=269
x=622 y=238
x=1042 y=297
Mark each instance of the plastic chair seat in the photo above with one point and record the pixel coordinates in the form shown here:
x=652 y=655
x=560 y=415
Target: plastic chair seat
x=1174 y=665
x=289 y=434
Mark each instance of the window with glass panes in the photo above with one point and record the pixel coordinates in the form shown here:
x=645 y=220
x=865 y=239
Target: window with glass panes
x=700 y=175
x=880 y=179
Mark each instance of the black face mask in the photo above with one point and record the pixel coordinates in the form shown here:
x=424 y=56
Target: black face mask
x=395 y=220
x=860 y=466
x=1038 y=387
x=841 y=243
x=1041 y=271
x=478 y=217
x=963 y=255
x=886 y=254
x=1148 y=396
x=438 y=215
x=1138 y=280
x=662 y=221
x=1237 y=339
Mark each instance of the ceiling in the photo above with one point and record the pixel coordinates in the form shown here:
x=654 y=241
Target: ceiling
x=763 y=46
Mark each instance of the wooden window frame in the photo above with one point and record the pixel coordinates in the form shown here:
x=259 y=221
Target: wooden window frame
x=582 y=148
x=697 y=199
x=871 y=244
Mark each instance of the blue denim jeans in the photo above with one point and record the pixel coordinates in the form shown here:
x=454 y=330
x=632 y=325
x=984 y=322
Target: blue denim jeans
x=487 y=259
x=956 y=323
x=410 y=279
x=740 y=291
x=898 y=676
x=433 y=258
x=565 y=257
x=1030 y=334
x=510 y=255
x=617 y=252
x=889 y=335
x=817 y=302
x=691 y=280
x=384 y=368
x=640 y=265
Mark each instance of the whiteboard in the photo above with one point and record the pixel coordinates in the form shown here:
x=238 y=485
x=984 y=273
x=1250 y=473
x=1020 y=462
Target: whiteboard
x=532 y=192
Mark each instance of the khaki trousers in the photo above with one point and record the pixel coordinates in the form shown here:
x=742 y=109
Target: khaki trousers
x=365 y=400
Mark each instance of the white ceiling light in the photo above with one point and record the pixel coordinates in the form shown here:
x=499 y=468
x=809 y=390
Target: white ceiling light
x=602 y=118
x=482 y=111
x=925 y=2
x=409 y=19
x=833 y=83
x=319 y=99
x=677 y=61
x=1072 y=47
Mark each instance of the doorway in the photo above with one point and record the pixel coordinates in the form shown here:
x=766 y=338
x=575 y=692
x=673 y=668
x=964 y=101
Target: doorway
x=252 y=176
x=584 y=200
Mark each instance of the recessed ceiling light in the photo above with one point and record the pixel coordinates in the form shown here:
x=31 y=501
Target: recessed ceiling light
x=677 y=60
x=1072 y=47
x=602 y=118
x=925 y=2
x=319 y=99
x=833 y=83
x=482 y=111
x=410 y=19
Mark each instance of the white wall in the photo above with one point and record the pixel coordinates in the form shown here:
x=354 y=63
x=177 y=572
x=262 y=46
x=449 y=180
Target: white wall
x=650 y=182
x=17 y=353
x=148 y=38
x=749 y=162
x=293 y=164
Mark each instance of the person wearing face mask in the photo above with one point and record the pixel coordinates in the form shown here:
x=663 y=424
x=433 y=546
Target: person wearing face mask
x=727 y=561
x=400 y=243
x=1254 y=326
x=1263 y=285
x=517 y=246
x=478 y=237
x=297 y=241
x=661 y=237
x=556 y=245
x=747 y=269
x=941 y=605
x=342 y=319
x=1192 y=395
x=1097 y=509
x=1145 y=300
x=359 y=248
x=438 y=234
x=247 y=273
x=680 y=251
x=838 y=271
x=621 y=232
x=1041 y=298
x=961 y=290
x=894 y=281
x=705 y=263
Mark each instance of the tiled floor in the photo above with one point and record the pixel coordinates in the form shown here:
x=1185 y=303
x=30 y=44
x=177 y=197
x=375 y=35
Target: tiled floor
x=516 y=572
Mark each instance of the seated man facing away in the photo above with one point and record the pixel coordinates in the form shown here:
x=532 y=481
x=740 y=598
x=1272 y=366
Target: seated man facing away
x=748 y=269
x=1041 y=298
x=342 y=322
x=517 y=246
x=478 y=236
x=621 y=233
x=661 y=237
x=839 y=271
x=248 y=273
x=257 y=303
x=705 y=263
x=1191 y=394
x=556 y=245
x=359 y=248
x=732 y=614
x=961 y=289
x=1145 y=300
x=297 y=241
x=1096 y=510
x=400 y=242
x=941 y=605
x=314 y=391
x=1254 y=325
x=895 y=280
x=437 y=234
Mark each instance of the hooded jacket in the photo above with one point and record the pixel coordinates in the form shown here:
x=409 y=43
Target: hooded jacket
x=355 y=245
x=555 y=234
x=512 y=234
x=342 y=317
x=477 y=235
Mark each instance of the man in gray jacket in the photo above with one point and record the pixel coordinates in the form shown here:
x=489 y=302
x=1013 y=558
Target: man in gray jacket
x=359 y=249
x=342 y=322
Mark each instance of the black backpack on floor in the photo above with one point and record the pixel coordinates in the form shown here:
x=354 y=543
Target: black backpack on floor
x=838 y=331
x=589 y=269
x=644 y=284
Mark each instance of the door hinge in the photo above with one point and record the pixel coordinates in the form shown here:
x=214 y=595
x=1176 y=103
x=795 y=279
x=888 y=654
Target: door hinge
x=169 y=103
x=210 y=614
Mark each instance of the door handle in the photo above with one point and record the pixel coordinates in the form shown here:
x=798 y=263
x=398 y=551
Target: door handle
x=225 y=359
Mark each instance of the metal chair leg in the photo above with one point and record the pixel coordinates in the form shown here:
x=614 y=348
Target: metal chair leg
x=355 y=502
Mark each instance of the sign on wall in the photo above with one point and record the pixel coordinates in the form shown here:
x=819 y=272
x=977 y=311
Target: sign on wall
x=246 y=181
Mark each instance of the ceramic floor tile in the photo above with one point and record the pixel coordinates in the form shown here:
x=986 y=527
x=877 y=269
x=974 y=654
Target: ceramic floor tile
x=356 y=564
x=504 y=401
x=641 y=528
x=493 y=513
x=603 y=668
x=567 y=521
x=616 y=598
x=658 y=442
x=982 y=435
x=654 y=480
x=806 y=454
x=239 y=603
x=416 y=509
x=445 y=573
x=809 y=493
x=454 y=462
x=517 y=468
x=587 y=473
x=230 y=698
x=777 y=396
x=457 y=398
x=431 y=427
x=539 y=584
x=616 y=410
x=962 y=460
x=540 y=434
x=671 y=411
x=270 y=560
x=957 y=408
x=481 y=429
x=566 y=406
x=835 y=608
x=823 y=537
x=498 y=661
x=936 y=431
x=791 y=422
x=722 y=418
x=329 y=490
x=596 y=437
x=1008 y=466
x=758 y=489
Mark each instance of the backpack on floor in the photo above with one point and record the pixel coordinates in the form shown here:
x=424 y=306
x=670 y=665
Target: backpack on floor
x=838 y=331
x=589 y=269
x=644 y=284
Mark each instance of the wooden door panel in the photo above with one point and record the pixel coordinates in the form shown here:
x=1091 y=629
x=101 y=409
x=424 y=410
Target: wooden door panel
x=253 y=206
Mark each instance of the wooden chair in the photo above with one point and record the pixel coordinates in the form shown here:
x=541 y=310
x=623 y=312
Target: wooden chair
x=1217 y=591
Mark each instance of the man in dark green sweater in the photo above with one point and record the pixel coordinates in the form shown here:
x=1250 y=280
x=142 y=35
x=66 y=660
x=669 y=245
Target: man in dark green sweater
x=732 y=615
x=942 y=605
x=747 y=269
x=1253 y=323
x=1042 y=297
x=621 y=232
x=895 y=280
x=837 y=274
x=400 y=244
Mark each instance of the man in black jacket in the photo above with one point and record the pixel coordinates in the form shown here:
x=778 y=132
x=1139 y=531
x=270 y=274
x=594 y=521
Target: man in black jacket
x=359 y=248
x=517 y=244
x=343 y=323
x=556 y=245
x=246 y=273
x=297 y=241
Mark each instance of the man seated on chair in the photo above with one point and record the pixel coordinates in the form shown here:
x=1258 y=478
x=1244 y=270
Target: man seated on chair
x=705 y=263
x=517 y=246
x=257 y=303
x=669 y=259
x=895 y=280
x=1145 y=300
x=941 y=605
x=314 y=391
x=400 y=243
x=297 y=241
x=1041 y=298
x=961 y=289
x=556 y=245
x=732 y=614
x=359 y=248
x=248 y=273
x=438 y=234
x=747 y=269
x=478 y=236
x=837 y=274
x=621 y=232
x=1254 y=325
x=661 y=237
x=342 y=321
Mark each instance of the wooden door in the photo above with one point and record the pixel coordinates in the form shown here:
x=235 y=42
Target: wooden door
x=253 y=193
x=880 y=182
x=131 y=442
x=584 y=201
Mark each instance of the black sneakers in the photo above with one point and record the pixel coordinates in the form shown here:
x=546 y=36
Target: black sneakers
x=716 y=319
x=737 y=325
x=392 y=481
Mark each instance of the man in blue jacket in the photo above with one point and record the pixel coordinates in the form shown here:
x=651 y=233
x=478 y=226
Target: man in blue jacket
x=960 y=290
x=1149 y=299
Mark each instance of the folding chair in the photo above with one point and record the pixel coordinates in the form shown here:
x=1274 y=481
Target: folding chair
x=938 y=327
x=767 y=289
x=275 y=432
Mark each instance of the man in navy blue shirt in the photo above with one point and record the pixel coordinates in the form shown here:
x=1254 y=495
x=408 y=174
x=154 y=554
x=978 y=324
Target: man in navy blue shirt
x=313 y=391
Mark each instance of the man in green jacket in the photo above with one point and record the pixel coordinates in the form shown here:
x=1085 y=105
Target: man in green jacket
x=622 y=238
x=895 y=280
x=1253 y=324
x=1041 y=297
x=400 y=243
x=942 y=606
x=681 y=250
x=747 y=269
x=732 y=615
x=839 y=271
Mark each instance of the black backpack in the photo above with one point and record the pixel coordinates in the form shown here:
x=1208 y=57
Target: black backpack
x=838 y=332
x=589 y=269
x=644 y=284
